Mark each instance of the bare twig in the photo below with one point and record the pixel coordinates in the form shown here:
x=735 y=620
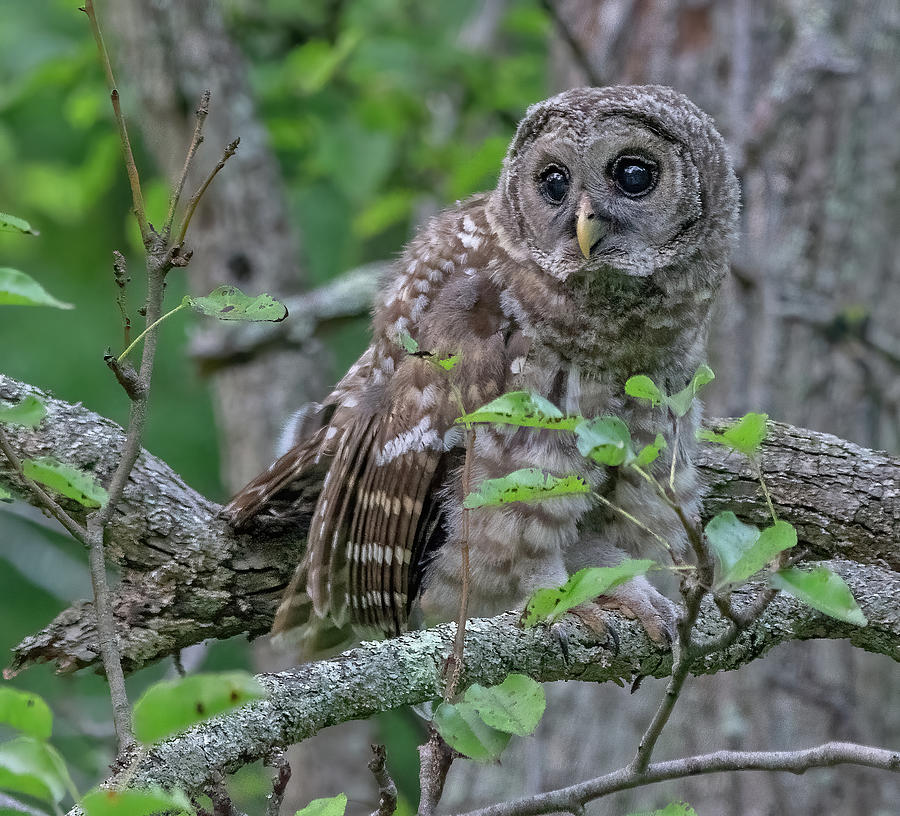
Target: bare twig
x=562 y=25
x=279 y=785
x=574 y=796
x=387 y=790
x=201 y=113
x=435 y=758
x=195 y=198
x=130 y=166
x=120 y=275
x=43 y=498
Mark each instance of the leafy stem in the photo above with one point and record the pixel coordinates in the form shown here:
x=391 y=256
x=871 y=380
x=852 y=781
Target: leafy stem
x=150 y=327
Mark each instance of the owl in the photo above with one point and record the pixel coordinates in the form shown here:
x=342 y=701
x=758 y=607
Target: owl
x=597 y=257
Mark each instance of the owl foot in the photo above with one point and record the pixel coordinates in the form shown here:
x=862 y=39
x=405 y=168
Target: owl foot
x=639 y=600
x=591 y=616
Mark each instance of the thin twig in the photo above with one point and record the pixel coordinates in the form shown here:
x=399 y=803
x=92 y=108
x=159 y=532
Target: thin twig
x=435 y=759
x=584 y=62
x=130 y=166
x=279 y=785
x=44 y=499
x=195 y=198
x=120 y=275
x=822 y=756
x=633 y=519
x=387 y=790
x=201 y=113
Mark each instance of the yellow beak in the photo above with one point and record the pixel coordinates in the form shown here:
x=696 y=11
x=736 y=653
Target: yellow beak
x=588 y=228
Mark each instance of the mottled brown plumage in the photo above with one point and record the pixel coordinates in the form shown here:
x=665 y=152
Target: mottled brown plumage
x=597 y=257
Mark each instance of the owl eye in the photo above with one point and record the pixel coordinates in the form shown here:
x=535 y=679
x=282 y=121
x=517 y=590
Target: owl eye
x=554 y=183
x=634 y=176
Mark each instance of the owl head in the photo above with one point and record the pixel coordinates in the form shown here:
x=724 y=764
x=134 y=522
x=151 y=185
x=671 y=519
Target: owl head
x=625 y=180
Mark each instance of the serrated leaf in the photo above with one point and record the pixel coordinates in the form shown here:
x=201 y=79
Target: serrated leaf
x=515 y=706
x=649 y=453
x=586 y=584
x=12 y=223
x=740 y=562
x=523 y=409
x=135 y=802
x=463 y=730
x=606 y=440
x=329 y=806
x=19 y=289
x=746 y=435
x=27 y=413
x=26 y=712
x=681 y=402
x=32 y=767
x=674 y=809
x=67 y=480
x=821 y=589
x=230 y=303
x=407 y=342
x=448 y=362
x=642 y=387
x=528 y=484
x=174 y=705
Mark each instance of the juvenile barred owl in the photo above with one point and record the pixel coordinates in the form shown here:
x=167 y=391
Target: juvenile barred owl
x=597 y=257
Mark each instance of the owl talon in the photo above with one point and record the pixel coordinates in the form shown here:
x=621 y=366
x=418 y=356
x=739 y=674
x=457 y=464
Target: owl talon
x=559 y=633
x=640 y=600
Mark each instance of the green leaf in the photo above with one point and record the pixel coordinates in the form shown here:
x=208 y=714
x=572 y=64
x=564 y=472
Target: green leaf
x=586 y=584
x=28 y=413
x=230 y=303
x=674 y=809
x=642 y=387
x=449 y=362
x=681 y=402
x=19 y=289
x=606 y=440
x=463 y=730
x=528 y=484
x=407 y=342
x=25 y=712
x=67 y=480
x=649 y=453
x=135 y=802
x=822 y=589
x=746 y=435
x=174 y=705
x=12 y=223
x=330 y=806
x=515 y=706
x=33 y=767
x=523 y=409
x=742 y=557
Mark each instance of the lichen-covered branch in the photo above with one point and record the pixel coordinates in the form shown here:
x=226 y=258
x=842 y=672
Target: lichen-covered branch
x=407 y=670
x=186 y=576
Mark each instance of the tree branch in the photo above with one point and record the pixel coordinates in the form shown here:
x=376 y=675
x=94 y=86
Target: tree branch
x=186 y=576
x=408 y=670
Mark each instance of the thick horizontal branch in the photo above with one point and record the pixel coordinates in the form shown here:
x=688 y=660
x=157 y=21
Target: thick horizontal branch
x=408 y=669
x=186 y=576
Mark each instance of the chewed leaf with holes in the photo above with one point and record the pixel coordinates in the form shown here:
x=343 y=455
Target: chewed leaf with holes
x=515 y=706
x=606 y=440
x=26 y=712
x=528 y=484
x=586 y=584
x=12 y=223
x=746 y=435
x=67 y=480
x=464 y=730
x=822 y=589
x=230 y=303
x=19 y=289
x=28 y=413
x=135 y=802
x=523 y=409
x=32 y=767
x=173 y=705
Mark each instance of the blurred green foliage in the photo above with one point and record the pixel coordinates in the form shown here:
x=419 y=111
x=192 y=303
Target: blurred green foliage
x=381 y=112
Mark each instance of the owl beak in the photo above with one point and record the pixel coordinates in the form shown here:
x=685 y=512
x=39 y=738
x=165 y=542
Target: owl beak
x=589 y=228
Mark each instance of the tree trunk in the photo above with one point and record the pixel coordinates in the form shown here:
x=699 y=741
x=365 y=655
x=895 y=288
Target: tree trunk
x=805 y=94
